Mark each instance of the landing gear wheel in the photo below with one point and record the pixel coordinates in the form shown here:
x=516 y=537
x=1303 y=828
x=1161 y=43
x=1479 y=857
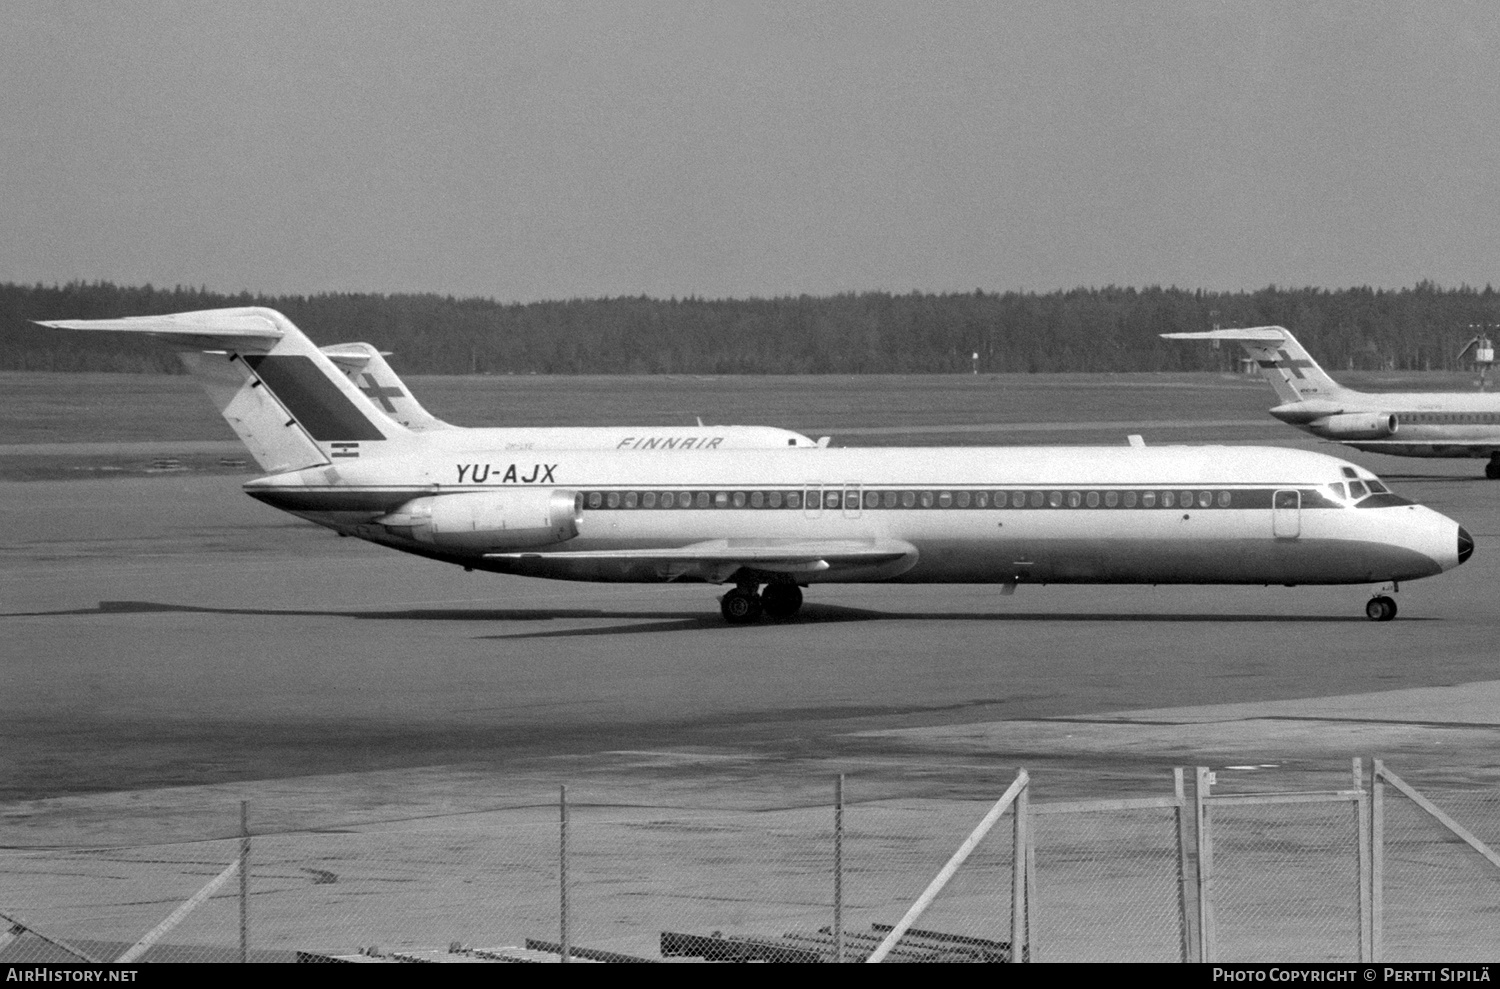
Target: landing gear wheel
x=1492 y=469
x=740 y=606
x=1380 y=609
x=781 y=600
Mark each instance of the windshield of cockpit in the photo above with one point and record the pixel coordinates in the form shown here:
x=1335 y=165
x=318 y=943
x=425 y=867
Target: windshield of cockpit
x=1361 y=489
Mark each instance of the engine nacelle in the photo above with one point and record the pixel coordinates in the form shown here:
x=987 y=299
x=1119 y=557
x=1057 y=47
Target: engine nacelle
x=1359 y=425
x=484 y=521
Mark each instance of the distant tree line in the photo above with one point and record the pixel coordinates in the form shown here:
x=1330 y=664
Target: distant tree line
x=1095 y=329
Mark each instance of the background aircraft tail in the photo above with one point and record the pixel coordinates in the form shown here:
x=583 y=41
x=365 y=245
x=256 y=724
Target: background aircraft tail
x=366 y=366
x=1283 y=362
x=285 y=399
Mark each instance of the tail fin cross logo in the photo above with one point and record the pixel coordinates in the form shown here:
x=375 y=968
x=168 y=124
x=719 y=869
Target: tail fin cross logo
x=1288 y=363
x=373 y=389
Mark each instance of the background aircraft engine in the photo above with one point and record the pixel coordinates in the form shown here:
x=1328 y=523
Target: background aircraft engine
x=1360 y=425
x=488 y=520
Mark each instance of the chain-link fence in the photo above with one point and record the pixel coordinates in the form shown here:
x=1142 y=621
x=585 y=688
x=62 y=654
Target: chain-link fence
x=1338 y=875
x=1109 y=883
x=1285 y=882
x=1439 y=895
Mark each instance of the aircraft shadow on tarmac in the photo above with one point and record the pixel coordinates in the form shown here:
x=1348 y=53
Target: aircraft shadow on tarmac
x=681 y=621
x=410 y=614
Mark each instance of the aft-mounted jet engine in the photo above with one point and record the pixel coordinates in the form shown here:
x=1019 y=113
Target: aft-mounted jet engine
x=483 y=521
x=1358 y=426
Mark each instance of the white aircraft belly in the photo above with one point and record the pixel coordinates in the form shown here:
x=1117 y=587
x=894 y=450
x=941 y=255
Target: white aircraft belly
x=1111 y=546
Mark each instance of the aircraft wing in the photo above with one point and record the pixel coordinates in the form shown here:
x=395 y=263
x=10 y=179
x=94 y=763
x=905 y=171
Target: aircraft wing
x=1266 y=333
x=213 y=329
x=718 y=560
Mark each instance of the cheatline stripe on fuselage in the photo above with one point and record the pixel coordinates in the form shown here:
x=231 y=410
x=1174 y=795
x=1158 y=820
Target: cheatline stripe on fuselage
x=688 y=497
x=1121 y=426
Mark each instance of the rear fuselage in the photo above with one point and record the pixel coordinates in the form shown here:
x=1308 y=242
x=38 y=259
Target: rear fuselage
x=1407 y=424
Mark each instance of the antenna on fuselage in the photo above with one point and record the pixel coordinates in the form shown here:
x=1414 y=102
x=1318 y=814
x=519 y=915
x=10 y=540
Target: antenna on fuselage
x=1484 y=352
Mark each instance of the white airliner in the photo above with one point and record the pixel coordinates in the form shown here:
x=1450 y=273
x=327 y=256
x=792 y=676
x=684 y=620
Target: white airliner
x=366 y=367
x=782 y=518
x=1403 y=424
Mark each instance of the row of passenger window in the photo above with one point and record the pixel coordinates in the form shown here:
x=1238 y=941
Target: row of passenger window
x=1447 y=418
x=854 y=498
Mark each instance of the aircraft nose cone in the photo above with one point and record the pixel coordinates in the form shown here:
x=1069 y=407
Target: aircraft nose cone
x=1465 y=544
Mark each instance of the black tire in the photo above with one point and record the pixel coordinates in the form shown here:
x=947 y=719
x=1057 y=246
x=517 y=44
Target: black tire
x=1380 y=609
x=1492 y=470
x=781 y=600
x=740 y=606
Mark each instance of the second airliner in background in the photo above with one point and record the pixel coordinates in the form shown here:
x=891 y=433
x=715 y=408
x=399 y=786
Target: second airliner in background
x=1402 y=424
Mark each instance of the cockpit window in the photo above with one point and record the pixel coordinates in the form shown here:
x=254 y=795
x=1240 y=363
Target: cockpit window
x=1338 y=491
x=1370 y=493
x=1383 y=500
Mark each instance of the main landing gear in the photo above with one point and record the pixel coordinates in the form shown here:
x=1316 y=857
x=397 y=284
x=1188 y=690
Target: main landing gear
x=1380 y=608
x=1492 y=469
x=744 y=605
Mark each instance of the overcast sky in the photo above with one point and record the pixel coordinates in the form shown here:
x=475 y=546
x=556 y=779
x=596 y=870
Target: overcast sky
x=551 y=150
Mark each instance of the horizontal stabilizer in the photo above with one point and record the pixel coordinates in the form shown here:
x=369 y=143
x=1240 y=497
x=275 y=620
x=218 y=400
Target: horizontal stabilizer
x=352 y=358
x=1271 y=334
x=290 y=404
x=246 y=330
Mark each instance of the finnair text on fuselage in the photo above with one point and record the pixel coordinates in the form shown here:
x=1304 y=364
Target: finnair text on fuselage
x=670 y=443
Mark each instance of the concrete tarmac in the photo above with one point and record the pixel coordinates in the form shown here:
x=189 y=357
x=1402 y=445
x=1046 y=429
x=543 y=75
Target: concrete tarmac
x=170 y=632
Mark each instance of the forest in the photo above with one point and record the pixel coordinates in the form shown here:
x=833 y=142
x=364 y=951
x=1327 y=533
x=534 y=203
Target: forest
x=1082 y=329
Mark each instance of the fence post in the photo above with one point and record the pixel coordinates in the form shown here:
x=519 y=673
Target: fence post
x=1205 y=866
x=1362 y=859
x=1031 y=954
x=1377 y=858
x=244 y=881
x=562 y=803
x=1184 y=911
x=1020 y=905
x=946 y=873
x=838 y=870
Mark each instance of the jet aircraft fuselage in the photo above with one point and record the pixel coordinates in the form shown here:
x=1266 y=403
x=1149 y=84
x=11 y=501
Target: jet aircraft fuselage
x=779 y=517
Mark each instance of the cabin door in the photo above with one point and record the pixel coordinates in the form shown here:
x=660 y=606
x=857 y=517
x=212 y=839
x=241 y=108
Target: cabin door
x=852 y=500
x=1286 y=514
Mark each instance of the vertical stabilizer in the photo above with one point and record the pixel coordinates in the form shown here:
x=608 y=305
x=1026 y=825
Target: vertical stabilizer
x=366 y=367
x=1282 y=360
x=289 y=404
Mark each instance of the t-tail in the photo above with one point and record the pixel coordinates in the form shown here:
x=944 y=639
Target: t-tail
x=366 y=366
x=286 y=400
x=1283 y=362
